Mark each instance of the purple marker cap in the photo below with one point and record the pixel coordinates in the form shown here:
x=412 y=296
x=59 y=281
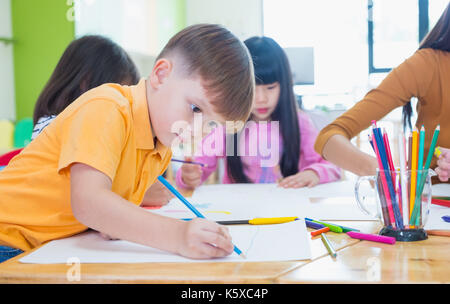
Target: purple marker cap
x=313 y=225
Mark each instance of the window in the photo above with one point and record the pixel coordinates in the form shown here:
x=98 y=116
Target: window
x=337 y=31
x=395 y=29
x=392 y=33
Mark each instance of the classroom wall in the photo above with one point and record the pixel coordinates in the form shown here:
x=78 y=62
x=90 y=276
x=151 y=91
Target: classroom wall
x=243 y=18
x=42 y=31
x=142 y=27
x=7 y=102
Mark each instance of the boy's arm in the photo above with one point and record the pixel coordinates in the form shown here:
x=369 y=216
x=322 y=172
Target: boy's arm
x=96 y=206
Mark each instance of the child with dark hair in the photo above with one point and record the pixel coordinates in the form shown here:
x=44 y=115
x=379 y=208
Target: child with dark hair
x=276 y=117
x=86 y=63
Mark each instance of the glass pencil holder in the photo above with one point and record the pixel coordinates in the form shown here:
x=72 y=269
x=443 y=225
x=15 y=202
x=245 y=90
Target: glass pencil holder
x=400 y=201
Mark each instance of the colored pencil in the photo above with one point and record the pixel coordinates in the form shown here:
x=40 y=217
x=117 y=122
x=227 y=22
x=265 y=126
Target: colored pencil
x=423 y=176
x=383 y=181
x=415 y=216
x=328 y=245
x=445 y=203
x=412 y=196
x=403 y=178
x=260 y=221
x=432 y=148
x=390 y=181
x=409 y=150
x=388 y=151
x=377 y=142
x=188 y=162
x=192 y=208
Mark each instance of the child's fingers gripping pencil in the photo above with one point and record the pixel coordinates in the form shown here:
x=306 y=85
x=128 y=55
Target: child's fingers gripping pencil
x=191 y=207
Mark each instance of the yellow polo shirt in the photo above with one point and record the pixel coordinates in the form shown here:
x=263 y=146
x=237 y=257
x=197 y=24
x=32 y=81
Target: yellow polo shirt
x=107 y=128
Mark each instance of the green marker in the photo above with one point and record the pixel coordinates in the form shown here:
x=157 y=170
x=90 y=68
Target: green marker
x=333 y=227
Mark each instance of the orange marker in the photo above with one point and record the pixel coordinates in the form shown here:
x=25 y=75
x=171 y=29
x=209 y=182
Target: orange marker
x=322 y=230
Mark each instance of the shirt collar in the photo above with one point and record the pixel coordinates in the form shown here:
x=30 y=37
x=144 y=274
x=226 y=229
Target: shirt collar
x=141 y=121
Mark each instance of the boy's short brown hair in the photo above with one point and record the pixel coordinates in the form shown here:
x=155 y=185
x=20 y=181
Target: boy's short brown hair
x=224 y=64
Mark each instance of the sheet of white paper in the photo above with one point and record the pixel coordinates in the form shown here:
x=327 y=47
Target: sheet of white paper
x=282 y=242
x=246 y=201
x=435 y=221
x=441 y=190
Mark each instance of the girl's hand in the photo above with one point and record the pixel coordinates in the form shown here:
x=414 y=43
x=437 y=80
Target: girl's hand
x=203 y=239
x=443 y=168
x=307 y=178
x=191 y=175
x=157 y=195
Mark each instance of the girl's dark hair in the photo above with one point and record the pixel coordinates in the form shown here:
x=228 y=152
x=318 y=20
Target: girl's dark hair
x=271 y=65
x=87 y=62
x=439 y=39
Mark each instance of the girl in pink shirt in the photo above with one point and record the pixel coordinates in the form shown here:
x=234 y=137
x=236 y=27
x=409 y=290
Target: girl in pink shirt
x=277 y=142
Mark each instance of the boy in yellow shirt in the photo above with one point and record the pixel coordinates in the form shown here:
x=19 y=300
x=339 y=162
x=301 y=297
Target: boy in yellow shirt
x=108 y=147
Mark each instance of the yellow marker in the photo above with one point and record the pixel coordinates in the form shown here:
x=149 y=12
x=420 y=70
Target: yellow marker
x=437 y=152
x=260 y=221
x=272 y=220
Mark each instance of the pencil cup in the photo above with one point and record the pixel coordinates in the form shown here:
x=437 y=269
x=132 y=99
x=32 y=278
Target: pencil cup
x=400 y=201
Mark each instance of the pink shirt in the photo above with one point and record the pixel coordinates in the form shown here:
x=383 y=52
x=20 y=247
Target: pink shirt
x=261 y=149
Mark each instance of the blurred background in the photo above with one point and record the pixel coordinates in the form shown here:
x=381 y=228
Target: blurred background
x=338 y=49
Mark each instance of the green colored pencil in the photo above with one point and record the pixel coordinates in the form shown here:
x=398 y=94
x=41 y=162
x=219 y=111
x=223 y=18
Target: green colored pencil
x=328 y=245
x=421 y=181
x=417 y=202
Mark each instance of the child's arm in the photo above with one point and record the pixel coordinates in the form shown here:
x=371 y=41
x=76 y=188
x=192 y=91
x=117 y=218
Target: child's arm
x=340 y=151
x=157 y=195
x=443 y=165
x=96 y=206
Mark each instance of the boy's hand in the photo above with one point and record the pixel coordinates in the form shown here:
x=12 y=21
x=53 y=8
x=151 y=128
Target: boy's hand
x=191 y=174
x=203 y=239
x=157 y=195
x=443 y=168
x=108 y=237
x=307 y=178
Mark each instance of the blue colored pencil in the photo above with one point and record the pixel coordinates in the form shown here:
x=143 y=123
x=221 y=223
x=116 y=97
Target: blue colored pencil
x=188 y=162
x=189 y=205
x=382 y=151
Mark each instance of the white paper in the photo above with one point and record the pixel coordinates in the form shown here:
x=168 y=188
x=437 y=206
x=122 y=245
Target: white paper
x=246 y=201
x=281 y=242
x=435 y=221
x=441 y=190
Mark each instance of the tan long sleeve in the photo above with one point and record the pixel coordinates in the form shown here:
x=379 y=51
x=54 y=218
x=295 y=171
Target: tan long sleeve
x=425 y=75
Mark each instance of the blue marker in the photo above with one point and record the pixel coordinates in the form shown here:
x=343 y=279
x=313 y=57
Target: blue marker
x=446 y=218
